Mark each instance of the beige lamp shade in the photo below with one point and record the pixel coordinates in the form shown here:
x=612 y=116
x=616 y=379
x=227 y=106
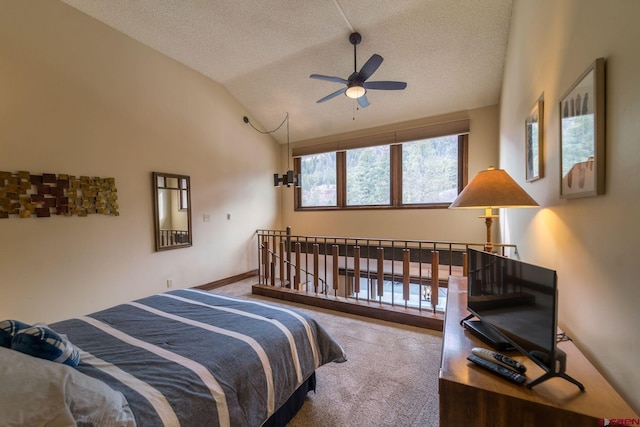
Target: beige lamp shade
x=489 y=189
x=493 y=188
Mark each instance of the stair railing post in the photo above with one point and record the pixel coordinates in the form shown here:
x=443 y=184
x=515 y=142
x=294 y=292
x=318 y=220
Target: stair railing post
x=296 y=278
x=406 y=257
x=356 y=270
x=316 y=272
x=435 y=271
x=283 y=279
x=273 y=267
x=465 y=264
x=265 y=258
x=288 y=250
x=380 y=252
x=335 y=249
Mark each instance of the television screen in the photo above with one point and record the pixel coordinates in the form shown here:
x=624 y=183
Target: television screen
x=516 y=298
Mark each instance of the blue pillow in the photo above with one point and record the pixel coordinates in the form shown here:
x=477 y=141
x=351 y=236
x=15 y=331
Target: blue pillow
x=8 y=328
x=45 y=343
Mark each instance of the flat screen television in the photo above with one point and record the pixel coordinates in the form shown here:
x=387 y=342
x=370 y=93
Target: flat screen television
x=517 y=302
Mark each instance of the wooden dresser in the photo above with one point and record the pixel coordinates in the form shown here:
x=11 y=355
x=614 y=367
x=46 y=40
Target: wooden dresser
x=472 y=396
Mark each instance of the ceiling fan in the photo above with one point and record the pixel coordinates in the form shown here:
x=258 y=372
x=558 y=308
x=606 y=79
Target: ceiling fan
x=356 y=85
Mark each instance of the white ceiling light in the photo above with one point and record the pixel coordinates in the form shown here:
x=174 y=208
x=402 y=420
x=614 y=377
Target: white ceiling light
x=355 y=91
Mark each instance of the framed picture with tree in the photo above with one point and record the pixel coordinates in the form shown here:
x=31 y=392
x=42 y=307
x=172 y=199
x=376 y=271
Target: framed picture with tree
x=582 y=134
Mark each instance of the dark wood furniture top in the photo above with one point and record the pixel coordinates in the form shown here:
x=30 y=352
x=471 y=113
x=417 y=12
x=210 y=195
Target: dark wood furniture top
x=472 y=396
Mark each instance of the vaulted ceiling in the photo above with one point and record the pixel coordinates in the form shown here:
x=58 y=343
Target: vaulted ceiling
x=449 y=52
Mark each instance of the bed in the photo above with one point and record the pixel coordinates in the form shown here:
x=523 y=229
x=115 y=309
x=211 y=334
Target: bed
x=188 y=358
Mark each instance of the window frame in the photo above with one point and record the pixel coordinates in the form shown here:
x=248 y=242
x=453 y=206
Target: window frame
x=396 y=178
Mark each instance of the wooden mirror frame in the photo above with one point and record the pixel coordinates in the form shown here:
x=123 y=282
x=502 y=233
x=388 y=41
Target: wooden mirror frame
x=171 y=238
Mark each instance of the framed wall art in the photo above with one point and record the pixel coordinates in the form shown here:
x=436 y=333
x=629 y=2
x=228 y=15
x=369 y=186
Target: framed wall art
x=534 y=141
x=582 y=134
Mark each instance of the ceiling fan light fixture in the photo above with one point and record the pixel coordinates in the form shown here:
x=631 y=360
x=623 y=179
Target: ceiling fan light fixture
x=355 y=88
x=355 y=91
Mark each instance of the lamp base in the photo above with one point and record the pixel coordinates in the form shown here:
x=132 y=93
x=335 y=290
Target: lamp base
x=488 y=220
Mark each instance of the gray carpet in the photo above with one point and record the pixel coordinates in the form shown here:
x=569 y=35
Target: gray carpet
x=390 y=379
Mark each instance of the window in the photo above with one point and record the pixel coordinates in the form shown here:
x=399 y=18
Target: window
x=409 y=168
x=319 y=182
x=430 y=170
x=369 y=176
x=184 y=194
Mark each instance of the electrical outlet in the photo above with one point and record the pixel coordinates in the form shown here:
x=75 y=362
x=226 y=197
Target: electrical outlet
x=169 y=283
x=228 y=216
x=206 y=218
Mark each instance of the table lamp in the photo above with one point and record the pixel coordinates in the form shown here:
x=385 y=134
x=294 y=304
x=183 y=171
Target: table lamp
x=492 y=189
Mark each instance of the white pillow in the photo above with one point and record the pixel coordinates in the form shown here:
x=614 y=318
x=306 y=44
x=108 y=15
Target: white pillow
x=40 y=392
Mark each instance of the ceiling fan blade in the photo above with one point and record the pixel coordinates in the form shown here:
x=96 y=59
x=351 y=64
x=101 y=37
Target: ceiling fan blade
x=369 y=67
x=329 y=78
x=385 y=85
x=332 y=95
x=363 y=101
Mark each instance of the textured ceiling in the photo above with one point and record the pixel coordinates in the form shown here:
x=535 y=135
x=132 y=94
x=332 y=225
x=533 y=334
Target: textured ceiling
x=450 y=53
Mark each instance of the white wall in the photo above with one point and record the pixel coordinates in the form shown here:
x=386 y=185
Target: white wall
x=592 y=242
x=428 y=224
x=77 y=97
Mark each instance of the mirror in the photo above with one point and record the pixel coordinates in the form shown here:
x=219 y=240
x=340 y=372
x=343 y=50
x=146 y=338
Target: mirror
x=172 y=209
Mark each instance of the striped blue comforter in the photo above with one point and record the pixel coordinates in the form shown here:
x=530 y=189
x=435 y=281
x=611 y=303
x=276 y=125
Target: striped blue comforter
x=195 y=358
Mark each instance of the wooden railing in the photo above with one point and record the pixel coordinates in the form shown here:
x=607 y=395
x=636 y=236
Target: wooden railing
x=170 y=237
x=407 y=273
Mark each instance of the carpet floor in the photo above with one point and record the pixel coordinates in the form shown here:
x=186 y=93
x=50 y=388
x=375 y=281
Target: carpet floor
x=390 y=378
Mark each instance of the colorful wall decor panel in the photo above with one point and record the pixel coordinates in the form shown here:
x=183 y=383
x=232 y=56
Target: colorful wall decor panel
x=28 y=195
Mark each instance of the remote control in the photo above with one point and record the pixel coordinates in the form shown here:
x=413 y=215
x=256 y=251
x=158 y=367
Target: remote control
x=507 y=373
x=500 y=359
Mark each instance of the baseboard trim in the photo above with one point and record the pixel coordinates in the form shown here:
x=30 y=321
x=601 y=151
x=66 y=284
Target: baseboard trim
x=222 y=282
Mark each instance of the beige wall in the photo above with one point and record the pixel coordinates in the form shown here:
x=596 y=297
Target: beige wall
x=592 y=242
x=427 y=224
x=77 y=97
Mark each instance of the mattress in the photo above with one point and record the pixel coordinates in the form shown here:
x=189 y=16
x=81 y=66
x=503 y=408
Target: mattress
x=196 y=358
